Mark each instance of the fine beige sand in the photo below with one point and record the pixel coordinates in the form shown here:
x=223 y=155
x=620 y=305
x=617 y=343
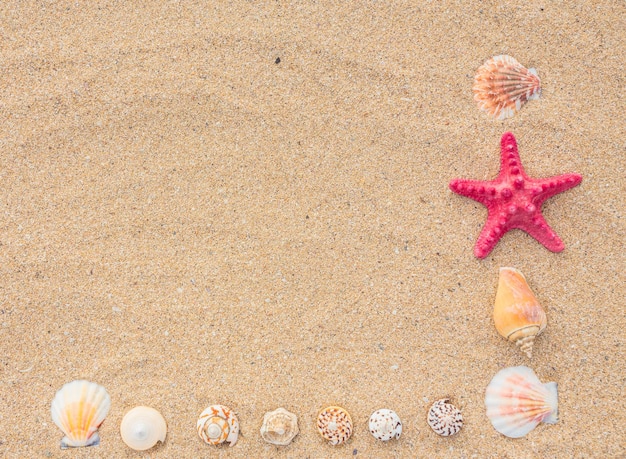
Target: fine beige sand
x=247 y=203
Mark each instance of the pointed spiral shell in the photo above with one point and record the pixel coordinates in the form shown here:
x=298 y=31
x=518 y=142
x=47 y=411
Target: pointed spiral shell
x=335 y=425
x=279 y=427
x=445 y=418
x=218 y=424
x=142 y=427
x=517 y=314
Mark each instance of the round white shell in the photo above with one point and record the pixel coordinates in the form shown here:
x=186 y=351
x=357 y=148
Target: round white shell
x=335 y=425
x=445 y=418
x=517 y=401
x=142 y=427
x=218 y=424
x=385 y=424
x=279 y=427
x=78 y=408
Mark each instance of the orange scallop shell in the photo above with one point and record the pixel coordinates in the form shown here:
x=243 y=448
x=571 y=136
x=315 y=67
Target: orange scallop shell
x=502 y=86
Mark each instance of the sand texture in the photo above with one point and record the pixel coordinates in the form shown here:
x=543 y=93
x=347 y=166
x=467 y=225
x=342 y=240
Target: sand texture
x=247 y=203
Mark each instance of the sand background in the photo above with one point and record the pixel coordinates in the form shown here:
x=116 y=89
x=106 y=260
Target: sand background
x=187 y=221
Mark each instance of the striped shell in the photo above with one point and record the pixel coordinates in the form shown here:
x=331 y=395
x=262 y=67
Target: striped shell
x=385 y=424
x=445 y=418
x=517 y=314
x=279 y=427
x=78 y=408
x=142 y=427
x=335 y=425
x=218 y=424
x=517 y=401
x=502 y=86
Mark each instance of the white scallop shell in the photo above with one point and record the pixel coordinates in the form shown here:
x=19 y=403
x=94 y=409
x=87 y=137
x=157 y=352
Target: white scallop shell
x=142 y=427
x=385 y=424
x=445 y=418
x=78 y=408
x=218 y=424
x=517 y=401
x=334 y=424
x=279 y=427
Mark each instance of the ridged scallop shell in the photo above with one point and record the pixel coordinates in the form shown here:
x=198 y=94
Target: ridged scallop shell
x=517 y=314
x=218 y=424
x=445 y=418
x=385 y=424
x=279 y=427
x=78 y=408
x=517 y=401
x=335 y=425
x=142 y=427
x=502 y=86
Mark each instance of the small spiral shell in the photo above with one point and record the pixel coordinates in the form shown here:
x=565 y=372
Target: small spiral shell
x=335 y=425
x=385 y=424
x=218 y=424
x=445 y=418
x=142 y=427
x=279 y=427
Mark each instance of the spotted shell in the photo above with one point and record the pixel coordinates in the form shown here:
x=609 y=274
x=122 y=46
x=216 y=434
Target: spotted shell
x=142 y=427
x=385 y=424
x=334 y=424
x=279 y=427
x=517 y=401
x=78 y=408
x=445 y=418
x=502 y=86
x=218 y=424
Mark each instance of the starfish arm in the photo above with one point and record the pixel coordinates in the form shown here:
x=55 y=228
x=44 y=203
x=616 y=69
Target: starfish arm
x=491 y=233
x=554 y=185
x=477 y=190
x=510 y=162
x=541 y=231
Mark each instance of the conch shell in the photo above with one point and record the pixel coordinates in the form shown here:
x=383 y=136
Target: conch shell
x=279 y=427
x=78 y=408
x=517 y=314
x=517 y=401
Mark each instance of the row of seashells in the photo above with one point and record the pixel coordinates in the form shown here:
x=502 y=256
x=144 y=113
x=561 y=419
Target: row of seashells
x=515 y=399
x=80 y=407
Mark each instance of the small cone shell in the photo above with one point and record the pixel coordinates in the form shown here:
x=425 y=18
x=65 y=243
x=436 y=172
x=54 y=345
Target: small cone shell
x=502 y=86
x=517 y=314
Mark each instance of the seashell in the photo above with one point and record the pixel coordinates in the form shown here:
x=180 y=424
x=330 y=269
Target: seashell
x=517 y=314
x=502 y=86
x=445 y=418
x=78 y=408
x=142 y=427
x=517 y=401
x=334 y=424
x=279 y=427
x=218 y=424
x=385 y=424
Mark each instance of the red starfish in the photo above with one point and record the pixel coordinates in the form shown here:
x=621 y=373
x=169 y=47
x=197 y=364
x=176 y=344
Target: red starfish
x=514 y=200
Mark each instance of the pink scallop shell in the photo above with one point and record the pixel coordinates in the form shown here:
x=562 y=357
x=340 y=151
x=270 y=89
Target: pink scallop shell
x=517 y=401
